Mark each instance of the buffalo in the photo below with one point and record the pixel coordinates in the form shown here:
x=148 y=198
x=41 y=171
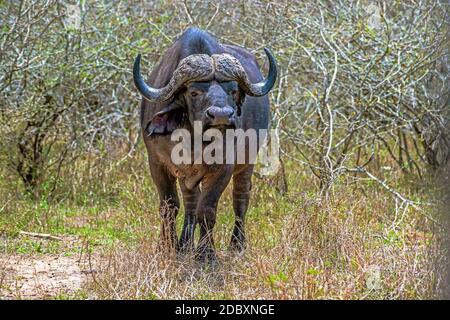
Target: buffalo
x=221 y=87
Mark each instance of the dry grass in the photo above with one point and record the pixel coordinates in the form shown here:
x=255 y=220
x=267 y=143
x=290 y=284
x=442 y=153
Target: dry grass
x=360 y=244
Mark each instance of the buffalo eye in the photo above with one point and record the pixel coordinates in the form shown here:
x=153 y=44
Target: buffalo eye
x=195 y=93
x=233 y=93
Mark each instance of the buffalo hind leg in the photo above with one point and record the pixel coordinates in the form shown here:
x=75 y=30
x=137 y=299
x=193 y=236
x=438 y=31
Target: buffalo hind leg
x=242 y=185
x=168 y=204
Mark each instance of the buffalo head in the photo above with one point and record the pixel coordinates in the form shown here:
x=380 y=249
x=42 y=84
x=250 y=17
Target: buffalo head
x=207 y=88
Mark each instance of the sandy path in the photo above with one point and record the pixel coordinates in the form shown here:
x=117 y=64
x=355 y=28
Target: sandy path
x=39 y=276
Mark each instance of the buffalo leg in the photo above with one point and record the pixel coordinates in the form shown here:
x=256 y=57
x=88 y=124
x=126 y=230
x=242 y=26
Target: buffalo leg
x=190 y=200
x=168 y=204
x=241 y=196
x=212 y=188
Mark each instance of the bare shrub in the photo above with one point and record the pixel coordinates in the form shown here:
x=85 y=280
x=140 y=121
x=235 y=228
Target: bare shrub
x=358 y=79
x=65 y=86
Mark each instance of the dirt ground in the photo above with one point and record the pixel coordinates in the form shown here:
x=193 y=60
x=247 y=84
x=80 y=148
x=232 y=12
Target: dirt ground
x=39 y=276
x=43 y=275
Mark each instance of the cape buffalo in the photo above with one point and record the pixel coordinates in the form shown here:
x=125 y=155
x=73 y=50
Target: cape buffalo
x=199 y=79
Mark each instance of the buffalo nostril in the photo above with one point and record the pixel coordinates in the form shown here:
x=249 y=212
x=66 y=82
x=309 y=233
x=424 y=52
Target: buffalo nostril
x=210 y=114
x=220 y=115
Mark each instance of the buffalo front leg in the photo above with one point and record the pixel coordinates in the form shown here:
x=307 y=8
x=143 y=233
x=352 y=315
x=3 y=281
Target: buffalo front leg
x=168 y=204
x=242 y=185
x=212 y=188
x=190 y=200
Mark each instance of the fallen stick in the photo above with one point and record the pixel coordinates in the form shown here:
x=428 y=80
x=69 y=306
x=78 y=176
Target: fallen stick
x=40 y=235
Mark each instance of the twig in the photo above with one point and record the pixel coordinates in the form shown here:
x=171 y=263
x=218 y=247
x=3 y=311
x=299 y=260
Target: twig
x=41 y=235
x=214 y=15
x=414 y=204
x=188 y=14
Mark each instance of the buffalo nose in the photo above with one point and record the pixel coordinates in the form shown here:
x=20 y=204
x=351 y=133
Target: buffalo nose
x=220 y=115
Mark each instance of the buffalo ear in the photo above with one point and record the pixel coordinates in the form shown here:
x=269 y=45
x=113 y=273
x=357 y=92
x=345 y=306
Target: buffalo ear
x=166 y=120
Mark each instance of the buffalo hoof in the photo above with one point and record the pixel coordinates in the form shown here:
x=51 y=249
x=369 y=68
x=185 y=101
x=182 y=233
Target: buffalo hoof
x=237 y=244
x=237 y=247
x=185 y=248
x=206 y=256
x=165 y=246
